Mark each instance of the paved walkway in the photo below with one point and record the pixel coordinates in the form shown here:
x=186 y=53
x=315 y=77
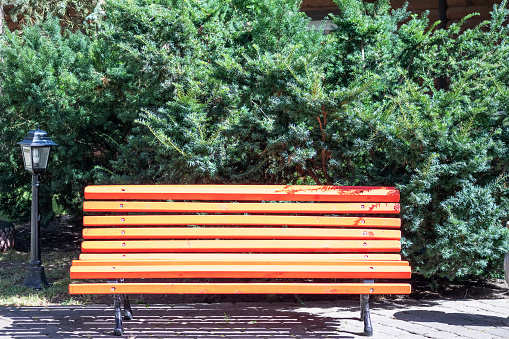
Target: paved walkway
x=391 y=319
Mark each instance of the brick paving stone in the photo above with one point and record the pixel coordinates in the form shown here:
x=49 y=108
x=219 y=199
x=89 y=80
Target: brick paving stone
x=443 y=335
x=474 y=308
x=4 y=322
x=500 y=302
x=498 y=332
x=496 y=305
x=410 y=327
x=408 y=336
x=482 y=305
x=462 y=331
x=471 y=332
x=387 y=330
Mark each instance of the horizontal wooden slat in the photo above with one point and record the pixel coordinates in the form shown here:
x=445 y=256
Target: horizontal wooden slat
x=241 y=246
x=248 y=220
x=317 y=3
x=236 y=271
x=205 y=207
x=233 y=261
x=416 y=4
x=236 y=233
x=237 y=288
x=458 y=13
x=471 y=3
x=243 y=193
x=469 y=24
x=241 y=256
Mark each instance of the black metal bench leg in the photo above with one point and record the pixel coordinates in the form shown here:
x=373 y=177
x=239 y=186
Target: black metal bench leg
x=119 y=330
x=365 y=315
x=128 y=312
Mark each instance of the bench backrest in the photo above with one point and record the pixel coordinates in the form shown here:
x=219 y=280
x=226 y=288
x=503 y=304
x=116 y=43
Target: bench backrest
x=193 y=221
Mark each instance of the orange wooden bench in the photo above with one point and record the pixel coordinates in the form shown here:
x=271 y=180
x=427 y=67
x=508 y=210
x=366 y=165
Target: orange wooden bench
x=297 y=239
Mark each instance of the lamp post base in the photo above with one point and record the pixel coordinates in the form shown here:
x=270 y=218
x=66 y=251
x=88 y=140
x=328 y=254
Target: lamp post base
x=36 y=278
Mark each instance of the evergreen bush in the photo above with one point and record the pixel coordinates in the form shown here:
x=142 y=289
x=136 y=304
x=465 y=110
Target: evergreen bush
x=444 y=148
x=54 y=78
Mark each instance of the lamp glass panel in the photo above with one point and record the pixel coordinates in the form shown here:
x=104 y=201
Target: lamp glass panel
x=27 y=157
x=40 y=157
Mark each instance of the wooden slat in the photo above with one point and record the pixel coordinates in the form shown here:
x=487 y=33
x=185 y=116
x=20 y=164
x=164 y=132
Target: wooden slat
x=242 y=256
x=471 y=3
x=237 y=288
x=236 y=271
x=205 y=207
x=243 y=193
x=241 y=246
x=306 y=4
x=248 y=220
x=236 y=233
x=234 y=261
x=414 y=5
x=458 y=13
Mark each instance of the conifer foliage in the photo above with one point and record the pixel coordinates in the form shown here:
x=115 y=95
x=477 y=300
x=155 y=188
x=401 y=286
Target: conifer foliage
x=242 y=91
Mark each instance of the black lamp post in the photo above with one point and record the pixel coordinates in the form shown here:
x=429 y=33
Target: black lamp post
x=506 y=269
x=35 y=149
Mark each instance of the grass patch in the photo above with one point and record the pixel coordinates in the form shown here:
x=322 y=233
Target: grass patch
x=4 y=218
x=13 y=266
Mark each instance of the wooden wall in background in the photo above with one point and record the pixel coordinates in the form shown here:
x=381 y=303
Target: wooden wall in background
x=448 y=11
x=419 y=6
x=70 y=16
x=12 y=25
x=458 y=9
x=318 y=9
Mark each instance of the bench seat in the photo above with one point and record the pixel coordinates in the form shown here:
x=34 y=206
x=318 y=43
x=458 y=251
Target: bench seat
x=152 y=239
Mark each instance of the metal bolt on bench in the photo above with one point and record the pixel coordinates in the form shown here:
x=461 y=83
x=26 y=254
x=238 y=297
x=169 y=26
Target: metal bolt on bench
x=308 y=237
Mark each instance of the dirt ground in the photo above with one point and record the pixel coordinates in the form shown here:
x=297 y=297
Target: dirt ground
x=62 y=236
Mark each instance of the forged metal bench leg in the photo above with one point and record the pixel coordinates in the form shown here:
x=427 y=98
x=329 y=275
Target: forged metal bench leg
x=128 y=312
x=365 y=314
x=119 y=330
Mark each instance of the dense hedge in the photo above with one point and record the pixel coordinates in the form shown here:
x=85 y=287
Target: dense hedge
x=56 y=80
x=243 y=92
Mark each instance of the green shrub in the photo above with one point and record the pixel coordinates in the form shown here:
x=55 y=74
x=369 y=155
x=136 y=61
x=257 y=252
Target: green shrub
x=52 y=79
x=445 y=149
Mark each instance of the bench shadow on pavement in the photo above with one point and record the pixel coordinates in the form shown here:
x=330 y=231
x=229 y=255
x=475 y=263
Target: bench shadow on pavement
x=223 y=320
x=450 y=318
